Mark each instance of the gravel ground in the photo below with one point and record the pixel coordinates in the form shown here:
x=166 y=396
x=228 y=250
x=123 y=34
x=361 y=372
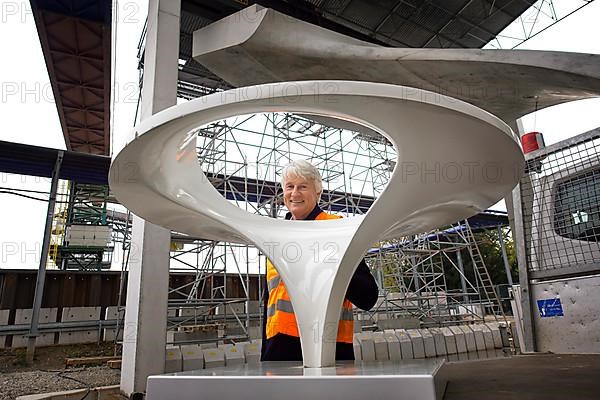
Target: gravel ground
x=43 y=381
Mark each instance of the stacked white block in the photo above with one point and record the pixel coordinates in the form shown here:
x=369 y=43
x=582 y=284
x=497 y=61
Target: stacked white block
x=488 y=337
x=23 y=316
x=417 y=343
x=381 y=346
x=479 y=337
x=450 y=340
x=459 y=335
x=230 y=308
x=88 y=235
x=112 y=313
x=469 y=310
x=78 y=314
x=367 y=346
x=192 y=313
x=192 y=357
x=241 y=345
x=173 y=360
x=4 y=314
x=252 y=353
x=439 y=341
x=234 y=355
x=405 y=344
x=464 y=340
x=393 y=343
x=496 y=335
x=428 y=342
x=356 y=348
x=258 y=342
x=469 y=338
x=214 y=358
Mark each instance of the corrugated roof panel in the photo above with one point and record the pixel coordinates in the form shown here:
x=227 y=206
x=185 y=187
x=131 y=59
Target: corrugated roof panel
x=334 y=7
x=367 y=15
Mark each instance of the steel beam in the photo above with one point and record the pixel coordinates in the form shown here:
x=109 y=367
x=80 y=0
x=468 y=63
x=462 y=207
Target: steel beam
x=41 y=275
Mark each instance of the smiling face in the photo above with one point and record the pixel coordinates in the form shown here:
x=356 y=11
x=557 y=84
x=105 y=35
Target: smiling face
x=300 y=196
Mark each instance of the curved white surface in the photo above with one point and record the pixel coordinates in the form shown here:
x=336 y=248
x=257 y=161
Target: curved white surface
x=454 y=160
x=268 y=46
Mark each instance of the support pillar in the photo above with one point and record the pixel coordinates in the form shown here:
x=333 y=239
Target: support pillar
x=504 y=256
x=528 y=322
x=144 y=333
x=41 y=275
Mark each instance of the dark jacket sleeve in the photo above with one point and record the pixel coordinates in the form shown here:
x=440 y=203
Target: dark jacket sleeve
x=264 y=319
x=362 y=291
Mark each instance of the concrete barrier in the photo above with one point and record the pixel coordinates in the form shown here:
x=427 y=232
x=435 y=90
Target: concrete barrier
x=112 y=312
x=394 y=350
x=4 y=314
x=381 y=346
x=417 y=343
x=252 y=353
x=73 y=314
x=405 y=344
x=214 y=358
x=173 y=360
x=450 y=340
x=23 y=316
x=469 y=338
x=428 y=342
x=461 y=343
x=192 y=357
x=367 y=346
x=439 y=341
x=234 y=356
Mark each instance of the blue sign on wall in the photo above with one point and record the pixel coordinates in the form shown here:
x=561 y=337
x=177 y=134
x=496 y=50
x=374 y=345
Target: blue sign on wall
x=550 y=308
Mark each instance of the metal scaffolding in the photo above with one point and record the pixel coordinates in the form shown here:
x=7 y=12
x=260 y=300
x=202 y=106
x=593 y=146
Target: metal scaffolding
x=412 y=271
x=243 y=157
x=538 y=18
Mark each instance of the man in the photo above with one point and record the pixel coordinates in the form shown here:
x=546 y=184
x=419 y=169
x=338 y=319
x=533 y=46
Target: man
x=302 y=189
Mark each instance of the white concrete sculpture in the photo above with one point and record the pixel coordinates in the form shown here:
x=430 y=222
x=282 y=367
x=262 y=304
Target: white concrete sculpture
x=267 y=46
x=454 y=160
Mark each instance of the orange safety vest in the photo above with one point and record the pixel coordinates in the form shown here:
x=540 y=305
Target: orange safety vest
x=280 y=313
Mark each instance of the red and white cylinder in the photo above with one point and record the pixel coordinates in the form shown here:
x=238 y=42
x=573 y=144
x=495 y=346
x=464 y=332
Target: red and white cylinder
x=532 y=141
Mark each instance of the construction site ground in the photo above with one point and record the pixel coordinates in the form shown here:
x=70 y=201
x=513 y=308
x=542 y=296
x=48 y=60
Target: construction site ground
x=522 y=377
x=48 y=372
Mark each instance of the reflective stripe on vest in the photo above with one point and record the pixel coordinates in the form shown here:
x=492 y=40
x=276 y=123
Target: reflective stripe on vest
x=273 y=283
x=282 y=305
x=346 y=315
x=280 y=312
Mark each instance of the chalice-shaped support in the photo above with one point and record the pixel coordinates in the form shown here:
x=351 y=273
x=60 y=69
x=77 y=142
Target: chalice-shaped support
x=454 y=160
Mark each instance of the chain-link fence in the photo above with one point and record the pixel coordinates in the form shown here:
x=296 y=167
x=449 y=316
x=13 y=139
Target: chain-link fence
x=557 y=234
x=560 y=199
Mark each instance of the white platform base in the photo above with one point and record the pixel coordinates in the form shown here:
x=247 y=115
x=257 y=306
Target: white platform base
x=401 y=380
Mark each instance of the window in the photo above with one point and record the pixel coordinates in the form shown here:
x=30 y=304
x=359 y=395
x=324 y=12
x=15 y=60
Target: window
x=577 y=207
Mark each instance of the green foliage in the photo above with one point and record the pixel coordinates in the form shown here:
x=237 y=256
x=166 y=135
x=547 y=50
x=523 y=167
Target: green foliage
x=489 y=247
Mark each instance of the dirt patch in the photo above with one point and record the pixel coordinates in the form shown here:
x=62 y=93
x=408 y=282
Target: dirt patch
x=51 y=357
x=16 y=384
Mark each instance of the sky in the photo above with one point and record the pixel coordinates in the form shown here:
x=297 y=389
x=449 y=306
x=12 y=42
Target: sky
x=28 y=113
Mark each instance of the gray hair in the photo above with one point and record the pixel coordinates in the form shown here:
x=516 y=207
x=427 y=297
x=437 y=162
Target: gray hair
x=303 y=169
